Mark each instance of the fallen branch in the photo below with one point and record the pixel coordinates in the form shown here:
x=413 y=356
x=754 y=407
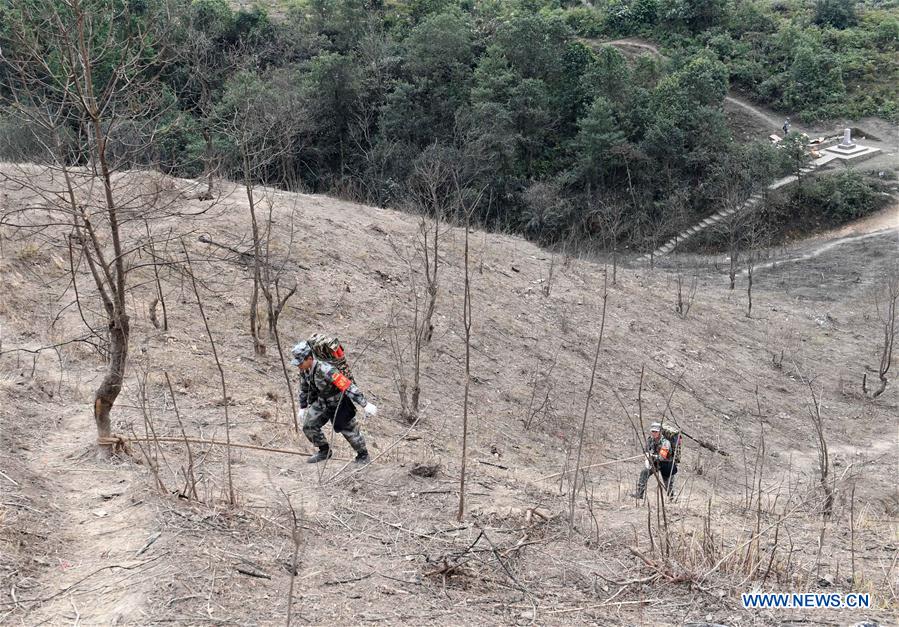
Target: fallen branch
x=614 y=461
x=219 y=443
x=245 y=257
x=668 y=575
x=705 y=444
x=82 y=580
x=409 y=531
x=338 y=582
x=505 y=567
x=251 y=572
x=629 y=582
x=248 y=255
x=376 y=457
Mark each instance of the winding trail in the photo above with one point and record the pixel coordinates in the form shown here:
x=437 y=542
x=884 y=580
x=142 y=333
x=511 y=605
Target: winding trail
x=884 y=223
x=104 y=568
x=821 y=249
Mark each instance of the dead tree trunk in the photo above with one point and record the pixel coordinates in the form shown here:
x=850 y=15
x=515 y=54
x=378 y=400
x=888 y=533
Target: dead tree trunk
x=258 y=344
x=889 y=338
x=51 y=73
x=580 y=445
x=466 y=320
x=823 y=453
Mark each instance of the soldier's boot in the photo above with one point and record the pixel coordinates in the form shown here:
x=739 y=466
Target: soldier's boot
x=357 y=441
x=640 y=492
x=322 y=454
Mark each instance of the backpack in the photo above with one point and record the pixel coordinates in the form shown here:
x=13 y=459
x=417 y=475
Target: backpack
x=672 y=434
x=328 y=349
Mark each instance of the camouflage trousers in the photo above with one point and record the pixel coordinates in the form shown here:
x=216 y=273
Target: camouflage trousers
x=318 y=415
x=666 y=471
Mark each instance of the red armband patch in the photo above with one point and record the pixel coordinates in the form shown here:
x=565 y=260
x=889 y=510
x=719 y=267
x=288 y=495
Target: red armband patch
x=340 y=381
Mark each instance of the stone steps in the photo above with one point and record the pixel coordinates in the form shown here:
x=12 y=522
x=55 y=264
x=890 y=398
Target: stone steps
x=754 y=199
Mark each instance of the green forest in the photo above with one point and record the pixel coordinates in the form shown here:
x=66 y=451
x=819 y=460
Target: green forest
x=516 y=107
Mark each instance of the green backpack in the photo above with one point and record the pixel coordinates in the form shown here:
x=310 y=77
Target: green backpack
x=328 y=349
x=672 y=434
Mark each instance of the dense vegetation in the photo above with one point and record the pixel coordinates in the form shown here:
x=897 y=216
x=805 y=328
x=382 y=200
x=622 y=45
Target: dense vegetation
x=793 y=212
x=816 y=60
x=555 y=137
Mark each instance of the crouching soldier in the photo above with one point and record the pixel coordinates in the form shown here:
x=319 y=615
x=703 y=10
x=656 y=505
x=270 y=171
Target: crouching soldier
x=327 y=394
x=659 y=459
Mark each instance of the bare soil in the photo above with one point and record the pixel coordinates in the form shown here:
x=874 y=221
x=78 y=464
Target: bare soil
x=123 y=542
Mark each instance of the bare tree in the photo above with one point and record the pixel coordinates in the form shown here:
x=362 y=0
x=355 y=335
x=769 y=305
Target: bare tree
x=797 y=154
x=734 y=237
x=77 y=72
x=432 y=196
x=612 y=219
x=467 y=209
x=684 y=298
x=580 y=444
x=408 y=383
x=431 y=187
x=814 y=410
x=887 y=313
x=232 y=500
x=466 y=321
x=758 y=235
x=259 y=120
x=735 y=226
x=201 y=46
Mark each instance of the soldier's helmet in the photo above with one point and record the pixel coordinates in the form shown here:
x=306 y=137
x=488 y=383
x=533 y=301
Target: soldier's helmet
x=656 y=426
x=300 y=352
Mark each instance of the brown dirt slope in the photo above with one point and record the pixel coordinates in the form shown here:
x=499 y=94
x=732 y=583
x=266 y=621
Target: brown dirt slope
x=118 y=543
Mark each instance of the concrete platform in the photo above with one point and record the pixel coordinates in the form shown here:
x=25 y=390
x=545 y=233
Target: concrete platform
x=857 y=153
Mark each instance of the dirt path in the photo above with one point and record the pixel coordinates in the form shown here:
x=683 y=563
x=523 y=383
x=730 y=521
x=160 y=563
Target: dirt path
x=775 y=123
x=100 y=521
x=880 y=224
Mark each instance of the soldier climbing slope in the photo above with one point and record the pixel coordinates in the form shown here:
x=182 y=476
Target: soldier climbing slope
x=659 y=459
x=327 y=394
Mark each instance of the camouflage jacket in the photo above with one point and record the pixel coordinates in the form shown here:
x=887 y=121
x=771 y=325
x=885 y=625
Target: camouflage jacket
x=323 y=384
x=660 y=447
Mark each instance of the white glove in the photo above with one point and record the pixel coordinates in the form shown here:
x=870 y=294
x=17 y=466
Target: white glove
x=371 y=409
x=647 y=464
x=301 y=414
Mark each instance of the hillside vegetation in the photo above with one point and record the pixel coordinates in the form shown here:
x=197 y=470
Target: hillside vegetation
x=812 y=60
x=571 y=144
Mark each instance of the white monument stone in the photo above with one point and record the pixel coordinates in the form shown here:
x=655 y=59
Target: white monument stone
x=847 y=142
x=848 y=150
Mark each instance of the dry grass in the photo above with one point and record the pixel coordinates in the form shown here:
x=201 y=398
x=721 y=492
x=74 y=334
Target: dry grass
x=380 y=545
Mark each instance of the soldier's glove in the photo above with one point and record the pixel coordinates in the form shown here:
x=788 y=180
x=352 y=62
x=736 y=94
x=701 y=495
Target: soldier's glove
x=301 y=414
x=371 y=409
x=646 y=461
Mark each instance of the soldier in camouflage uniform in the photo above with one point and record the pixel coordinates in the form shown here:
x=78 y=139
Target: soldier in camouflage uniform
x=327 y=394
x=658 y=459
